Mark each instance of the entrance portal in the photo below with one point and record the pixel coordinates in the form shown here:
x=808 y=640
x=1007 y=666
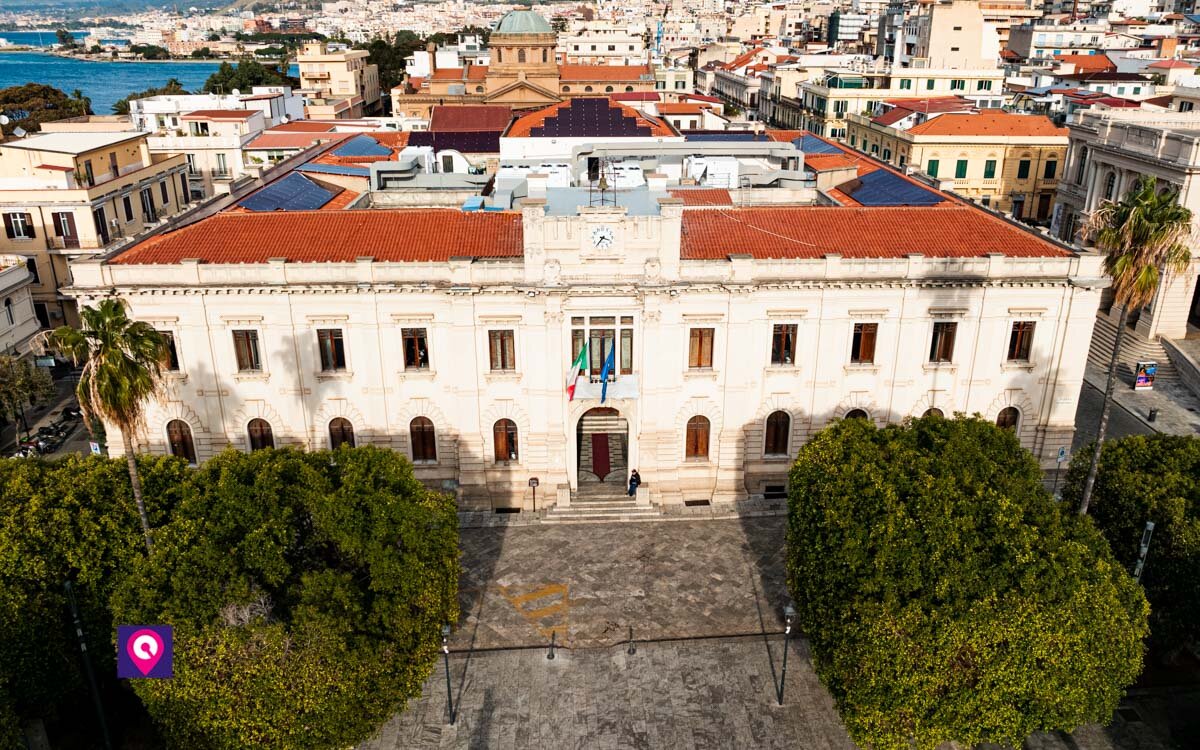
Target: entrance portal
x=602 y=446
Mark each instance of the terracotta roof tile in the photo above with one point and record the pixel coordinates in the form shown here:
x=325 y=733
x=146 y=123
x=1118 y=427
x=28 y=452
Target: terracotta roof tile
x=304 y=126
x=826 y=162
x=413 y=235
x=885 y=232
x=1088 y=63
x=220 y=114
x=703 y=196
x=683 y=108
x=1170 y=65
x=568 y=73
x=785 y=136
x=271 y=139
x=990 y=123
x=469 y=118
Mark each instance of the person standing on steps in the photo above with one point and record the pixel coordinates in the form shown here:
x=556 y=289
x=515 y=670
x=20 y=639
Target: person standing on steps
x=635 y=479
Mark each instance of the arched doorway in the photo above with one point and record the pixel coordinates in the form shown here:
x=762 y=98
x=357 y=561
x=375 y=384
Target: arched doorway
x=602 y=445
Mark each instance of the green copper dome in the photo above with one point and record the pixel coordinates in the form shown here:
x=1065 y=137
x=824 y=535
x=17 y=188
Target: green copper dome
x=523 y=22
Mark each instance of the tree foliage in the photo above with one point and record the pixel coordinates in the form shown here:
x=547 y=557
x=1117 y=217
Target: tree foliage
x=67 y=519
x=247 y=74
x=1152 y=478
x=172 y=86
x=946 y=596
x=307 y=593
x=150 y=51
x=30 y=105
x=22 y=385
x=65 y=38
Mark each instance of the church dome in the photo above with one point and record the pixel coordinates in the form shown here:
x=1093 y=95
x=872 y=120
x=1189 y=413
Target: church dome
x=523 y=22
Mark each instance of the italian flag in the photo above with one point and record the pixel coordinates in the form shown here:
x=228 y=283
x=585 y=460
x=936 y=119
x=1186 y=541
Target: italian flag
x=574 y=370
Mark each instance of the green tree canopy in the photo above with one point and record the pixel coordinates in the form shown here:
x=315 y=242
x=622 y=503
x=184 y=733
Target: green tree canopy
x=65 y=38
x=307 y=593
x=946 y=596
x=21 y=386
x=172 y=86
x=1152 y=478
x=150 y=51
x=71 y=518
x=30 y=105
x=246 y=75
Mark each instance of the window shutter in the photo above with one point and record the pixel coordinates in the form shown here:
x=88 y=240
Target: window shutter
x=29 y=226
x=9 y=231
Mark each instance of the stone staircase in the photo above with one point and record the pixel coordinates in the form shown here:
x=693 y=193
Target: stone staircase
x=597 y=502
x=1133 y=349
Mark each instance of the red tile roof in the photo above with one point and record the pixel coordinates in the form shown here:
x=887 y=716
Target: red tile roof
x=683 y=108
x=568 y=73
x=270 y=139
x=826 y=162
x=635 y=96
x=785 y=136
x=220 y=114
x=703 y=196
x=304 y=126
x=1088 y=63
x=1170 y=65
x=990 y=123
x=406 y=235
x=522 y=127
x=885 y=232
x=472 y=73
x=469 y=118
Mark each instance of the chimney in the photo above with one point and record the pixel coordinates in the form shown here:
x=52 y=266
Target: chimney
x=431 y=48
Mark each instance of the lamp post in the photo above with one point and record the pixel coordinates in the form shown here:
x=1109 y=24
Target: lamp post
x=1143 y=548
x=446 y=660
x=87 y=664
x=789 y=614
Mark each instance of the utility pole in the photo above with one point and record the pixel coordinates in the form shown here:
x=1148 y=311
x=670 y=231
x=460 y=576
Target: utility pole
x=87 y=665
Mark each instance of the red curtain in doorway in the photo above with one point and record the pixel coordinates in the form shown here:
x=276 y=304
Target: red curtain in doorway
x=600 y=460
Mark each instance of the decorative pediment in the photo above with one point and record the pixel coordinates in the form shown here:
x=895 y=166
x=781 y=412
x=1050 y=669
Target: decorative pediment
x=522 y=92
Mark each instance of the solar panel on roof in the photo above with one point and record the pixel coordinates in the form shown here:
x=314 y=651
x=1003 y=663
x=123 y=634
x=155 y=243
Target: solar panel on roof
x=362 y=145
x=720 y=137
x=335 y=169
x=884 y=188
x=810 y=144
x=293 y=192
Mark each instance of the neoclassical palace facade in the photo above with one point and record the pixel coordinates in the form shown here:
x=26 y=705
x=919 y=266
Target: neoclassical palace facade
x=735 y=334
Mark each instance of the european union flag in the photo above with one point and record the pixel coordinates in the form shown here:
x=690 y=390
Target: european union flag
x=609 y=363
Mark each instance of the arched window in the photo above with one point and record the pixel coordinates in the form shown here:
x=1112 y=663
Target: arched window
x=504 y=437
x=887 y=154
x=566 y=89
x=1008 y=418
x=1082 y=166
x=933 y=411
x=8 y=313
x=1110 y=185
x=179 y=438
x=479 y=89
x=341 y=432
x=260 y=434
x=856 y=414
x=697 y=437
x=608 y=89
x=629 y=89
x=521 y=55
x=779 y=424
x=424 y=446
x=587 y=89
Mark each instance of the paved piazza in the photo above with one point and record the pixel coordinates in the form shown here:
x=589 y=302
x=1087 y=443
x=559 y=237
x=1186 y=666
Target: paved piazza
x=703 y=598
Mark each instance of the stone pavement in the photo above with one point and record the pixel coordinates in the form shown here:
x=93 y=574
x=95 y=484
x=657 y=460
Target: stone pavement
x=588 y=584
x=1121 y=423
x=1178 y=408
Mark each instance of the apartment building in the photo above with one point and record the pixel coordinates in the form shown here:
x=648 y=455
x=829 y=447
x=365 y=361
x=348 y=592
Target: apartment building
x=339 y=77
x=18 y=321
x=1043 y=41
x=601 y=42
x=212 y=141
x=73 y=194
x=1011 y=163
x=161 y=114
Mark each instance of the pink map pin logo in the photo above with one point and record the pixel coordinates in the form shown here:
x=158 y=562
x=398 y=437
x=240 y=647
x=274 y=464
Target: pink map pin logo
x=145 y=651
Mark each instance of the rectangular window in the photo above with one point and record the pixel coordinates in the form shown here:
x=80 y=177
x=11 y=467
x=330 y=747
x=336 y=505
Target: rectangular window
x=862 y=345
x=958 y=84
x=18 y=226
x=162 y=190
x=128 y=205
x=626 y=351
x=1051 y=170
x=1020 y=343
x=416 y=348
x=31 y=265
x=853 y=141
x=245 y=347
x=932 y=168
x=783 y=344
x=333 y=349
x=929 y=85
x=222 y=167
x=905 y=83
x=941 y=348
x=502 y=350
x=700 y=348
x=1023 y=169
x=983 y=86
x=989 y=169
x=960 y=169
x=172 y=352
x=148 y=212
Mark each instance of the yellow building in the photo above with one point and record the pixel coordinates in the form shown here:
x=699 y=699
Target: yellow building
x=1009 y=162
x=70 y=194
x=524 y=74
x=344 y=83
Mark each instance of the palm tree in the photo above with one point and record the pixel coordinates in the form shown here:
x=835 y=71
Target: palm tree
x=1143 y=236
x=123 y=365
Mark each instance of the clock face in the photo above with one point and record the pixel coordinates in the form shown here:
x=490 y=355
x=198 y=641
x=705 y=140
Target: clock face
x=603 y=237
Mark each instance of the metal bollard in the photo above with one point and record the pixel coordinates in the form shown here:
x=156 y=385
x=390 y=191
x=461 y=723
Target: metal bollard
x=1153 y=415
x=553 y=633
x=632 y=649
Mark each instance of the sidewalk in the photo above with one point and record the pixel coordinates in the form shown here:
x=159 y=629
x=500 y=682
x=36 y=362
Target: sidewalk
x=1178 y=408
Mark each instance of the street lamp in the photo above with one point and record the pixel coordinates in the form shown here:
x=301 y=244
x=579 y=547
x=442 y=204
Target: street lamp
x=446 y=660
x=1143 y=548
x=789 y=614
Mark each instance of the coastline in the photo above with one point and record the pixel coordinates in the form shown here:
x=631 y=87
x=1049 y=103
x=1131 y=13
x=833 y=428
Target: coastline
x=97 y=59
